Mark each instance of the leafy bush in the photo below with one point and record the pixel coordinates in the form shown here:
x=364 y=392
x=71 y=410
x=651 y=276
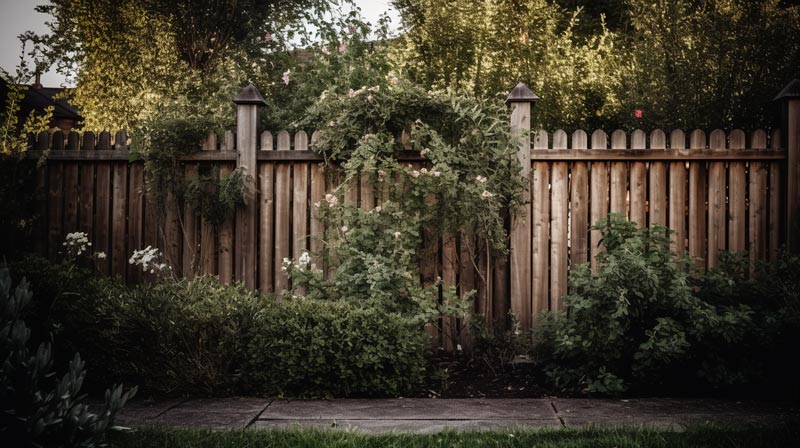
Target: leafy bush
x=646 y=318
x=169 y=337
x=327 y=348
x=36 y=408
x=202 y=336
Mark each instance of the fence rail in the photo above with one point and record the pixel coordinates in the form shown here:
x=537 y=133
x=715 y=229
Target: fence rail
x=716 y=191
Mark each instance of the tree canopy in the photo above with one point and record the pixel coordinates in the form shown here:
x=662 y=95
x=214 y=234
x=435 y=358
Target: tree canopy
x=682 y=63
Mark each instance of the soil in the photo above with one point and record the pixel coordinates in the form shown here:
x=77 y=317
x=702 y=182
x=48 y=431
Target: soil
x=464 y=378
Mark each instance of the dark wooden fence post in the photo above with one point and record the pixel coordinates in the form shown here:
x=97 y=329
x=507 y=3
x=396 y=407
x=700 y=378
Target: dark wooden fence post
x=521 y=101
x=247 y=103
x=789 y=99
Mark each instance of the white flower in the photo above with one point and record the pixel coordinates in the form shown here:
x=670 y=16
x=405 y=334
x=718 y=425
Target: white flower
x=370 y=98
x=424 y=152
x=304 y=260
x=100 y=255
x=397 y=234
x=393 y=80
x=415 y=173
x=436 y=173
x=487 y=194
x=378 y=209
x=424 y=171
x=481 y=179
x=345 y=229
x=331 y=199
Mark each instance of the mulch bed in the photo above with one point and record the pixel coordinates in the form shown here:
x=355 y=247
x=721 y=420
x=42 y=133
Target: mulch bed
x=452 y=377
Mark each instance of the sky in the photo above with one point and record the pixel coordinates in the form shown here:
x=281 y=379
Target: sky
x=18 y=16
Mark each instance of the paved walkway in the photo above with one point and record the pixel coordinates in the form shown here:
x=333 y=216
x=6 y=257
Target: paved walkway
x=433 y=415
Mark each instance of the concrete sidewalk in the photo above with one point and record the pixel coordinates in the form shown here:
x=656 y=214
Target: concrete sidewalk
x=433 y=415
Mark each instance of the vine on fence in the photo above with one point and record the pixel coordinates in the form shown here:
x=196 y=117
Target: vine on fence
x=471 y=180
x=161 y=142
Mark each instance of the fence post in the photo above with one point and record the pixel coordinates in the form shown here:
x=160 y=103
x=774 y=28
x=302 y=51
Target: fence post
x=247 y=103
x=521 y=100
x=789 y=99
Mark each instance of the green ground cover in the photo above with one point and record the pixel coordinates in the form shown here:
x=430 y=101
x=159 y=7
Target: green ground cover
x=700 y=436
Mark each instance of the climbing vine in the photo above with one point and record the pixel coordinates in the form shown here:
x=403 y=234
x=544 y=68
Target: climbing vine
x=466 y=178
x=160 y=143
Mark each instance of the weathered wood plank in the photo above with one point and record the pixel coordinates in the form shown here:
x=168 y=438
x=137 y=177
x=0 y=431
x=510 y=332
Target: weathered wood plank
x=697 y=201
x=737 y=190
x=55 y=210
x=677 y=195
x=757 y=213
x=102 y=218
x=540 y=212
x=283 y=197
x=208 y=234
x=774 y=232
x=579 y=205
x=658 y=182
x=619 y=176
x=638 y=187
x=716 y=200
x=558 y=234
x=266 y=235
x=119 y=205
x=135 y=217
x=300 y=197
x=71 y=197
x=599 y=195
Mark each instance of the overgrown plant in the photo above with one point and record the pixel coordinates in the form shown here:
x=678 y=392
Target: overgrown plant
x=637 y=320
x=37 y=408
x=465 y=181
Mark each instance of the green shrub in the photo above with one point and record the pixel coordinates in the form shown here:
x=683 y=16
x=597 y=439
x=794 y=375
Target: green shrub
x=636 y=320
x=37 y=408
x=169 y=337
x=333 y=348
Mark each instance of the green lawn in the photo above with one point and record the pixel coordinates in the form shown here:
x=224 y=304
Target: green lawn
x=702 y=436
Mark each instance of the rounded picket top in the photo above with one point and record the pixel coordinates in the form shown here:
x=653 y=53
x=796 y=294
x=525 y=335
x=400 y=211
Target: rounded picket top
x=599 y=139
x=677 y=139
x=580 y=139
x=559 y=139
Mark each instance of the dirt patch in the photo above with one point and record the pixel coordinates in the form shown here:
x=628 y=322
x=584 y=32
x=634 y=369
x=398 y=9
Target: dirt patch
x=464 y=378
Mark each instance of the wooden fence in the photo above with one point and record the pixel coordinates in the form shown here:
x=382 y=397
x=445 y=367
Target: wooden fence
x=718 y=191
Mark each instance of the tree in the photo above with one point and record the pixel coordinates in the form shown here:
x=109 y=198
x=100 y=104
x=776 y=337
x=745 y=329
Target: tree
x=685 y=63
x=135 y=59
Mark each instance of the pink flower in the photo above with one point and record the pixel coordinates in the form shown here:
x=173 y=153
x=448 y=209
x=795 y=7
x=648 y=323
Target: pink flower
x=325 y=51
x=637 y=113
x=285 y=77
x=342 y=47
x=352 y=29
x=268 y=36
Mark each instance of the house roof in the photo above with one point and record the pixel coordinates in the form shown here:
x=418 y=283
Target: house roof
x=38 y=99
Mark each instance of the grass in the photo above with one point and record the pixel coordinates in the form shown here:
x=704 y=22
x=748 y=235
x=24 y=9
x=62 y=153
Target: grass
x=699 y=436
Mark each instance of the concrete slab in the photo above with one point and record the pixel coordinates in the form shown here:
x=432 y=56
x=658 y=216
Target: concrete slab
x=213 y=413
x=377 y=426
x=670 y=413
x=411 y=409
x=144 y=410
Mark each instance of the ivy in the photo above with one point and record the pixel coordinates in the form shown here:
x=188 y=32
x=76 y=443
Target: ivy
x=216 y=197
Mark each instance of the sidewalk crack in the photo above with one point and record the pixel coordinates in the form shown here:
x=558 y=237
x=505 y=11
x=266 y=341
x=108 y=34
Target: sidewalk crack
x=560 y=419
x=260 y=413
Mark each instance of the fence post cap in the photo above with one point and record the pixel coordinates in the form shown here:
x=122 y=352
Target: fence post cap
x=521 y=94
x=250 y=95
x=791 y=91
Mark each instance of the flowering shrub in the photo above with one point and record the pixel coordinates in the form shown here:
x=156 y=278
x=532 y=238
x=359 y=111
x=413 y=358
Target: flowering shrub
x=151 y=260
